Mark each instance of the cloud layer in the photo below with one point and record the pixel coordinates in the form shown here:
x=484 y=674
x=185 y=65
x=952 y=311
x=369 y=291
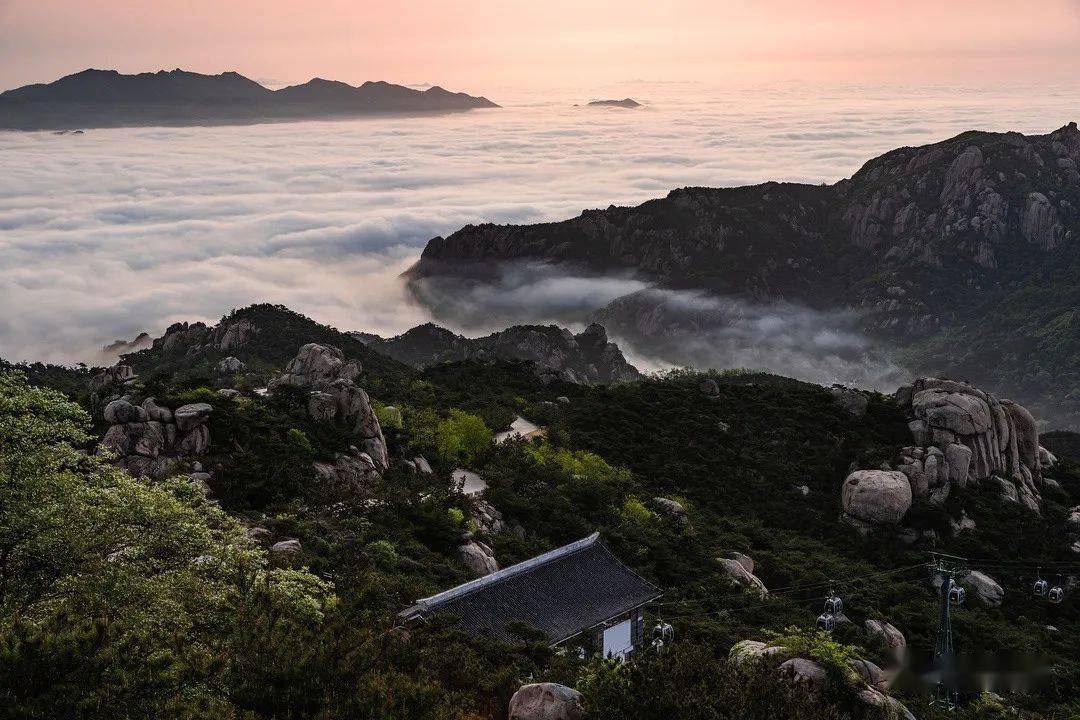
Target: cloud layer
x=112 y=232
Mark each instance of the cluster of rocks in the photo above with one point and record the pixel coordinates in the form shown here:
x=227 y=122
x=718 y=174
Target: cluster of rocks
x=740 y=568
x=962 y=436
x=872 y=682
x=475 y=554
x=195 y=338
x=487 y=518
x=149 y=439
x=117 y=376
x=335 y=398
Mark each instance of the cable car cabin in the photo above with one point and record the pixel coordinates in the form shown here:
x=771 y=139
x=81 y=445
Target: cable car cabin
x=1056 y=595
x=1041 y=587
x=578 y=595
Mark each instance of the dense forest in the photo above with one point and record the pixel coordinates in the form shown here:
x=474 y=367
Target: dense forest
x=135 y=597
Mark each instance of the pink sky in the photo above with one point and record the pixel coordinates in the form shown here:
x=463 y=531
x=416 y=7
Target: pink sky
x=483 y=45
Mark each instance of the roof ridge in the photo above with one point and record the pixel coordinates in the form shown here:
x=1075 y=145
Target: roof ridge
x=500 y=575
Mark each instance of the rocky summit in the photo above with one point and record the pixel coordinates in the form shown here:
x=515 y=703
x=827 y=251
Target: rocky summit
x=961 y=254
x=963 y=437
x=587 y=357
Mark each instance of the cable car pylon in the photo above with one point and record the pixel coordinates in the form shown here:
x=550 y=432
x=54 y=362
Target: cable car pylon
x=947 y=568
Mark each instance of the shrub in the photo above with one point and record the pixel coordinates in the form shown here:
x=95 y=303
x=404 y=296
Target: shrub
x=462 y=437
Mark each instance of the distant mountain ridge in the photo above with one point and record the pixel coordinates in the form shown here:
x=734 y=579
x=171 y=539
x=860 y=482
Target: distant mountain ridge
x=107 y=98
x=962 y=254
x=624 y=103
x=587 y=357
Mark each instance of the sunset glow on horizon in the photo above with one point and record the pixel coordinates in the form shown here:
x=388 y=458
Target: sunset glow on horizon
x=482 y=46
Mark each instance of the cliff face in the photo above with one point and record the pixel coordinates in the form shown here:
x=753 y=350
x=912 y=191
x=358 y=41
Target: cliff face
x=924 y=243
x=962 y=212
x=587 y=357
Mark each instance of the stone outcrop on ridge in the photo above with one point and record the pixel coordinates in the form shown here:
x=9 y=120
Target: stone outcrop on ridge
x=964 y=435
x=148 y=439
x=335 y=398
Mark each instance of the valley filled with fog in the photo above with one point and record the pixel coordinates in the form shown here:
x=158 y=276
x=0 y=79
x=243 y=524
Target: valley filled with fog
x=112 y=232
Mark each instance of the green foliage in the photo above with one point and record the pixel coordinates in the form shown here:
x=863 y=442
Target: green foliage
x=635 y=511
x=382 y=553
x=819 y=646
x=121 y=598
x=390 y=417
x=461 y=437
x=690 y=681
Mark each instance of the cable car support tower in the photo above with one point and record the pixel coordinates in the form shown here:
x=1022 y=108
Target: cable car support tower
x=947 y=569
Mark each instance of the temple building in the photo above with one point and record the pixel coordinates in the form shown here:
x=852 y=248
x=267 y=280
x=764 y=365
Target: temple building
x=577 y=595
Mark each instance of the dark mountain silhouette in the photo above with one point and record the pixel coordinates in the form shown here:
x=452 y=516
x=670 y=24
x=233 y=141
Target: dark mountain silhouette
x=962 y=253
x=106 y=98
x=587 y=357
x=624 y=103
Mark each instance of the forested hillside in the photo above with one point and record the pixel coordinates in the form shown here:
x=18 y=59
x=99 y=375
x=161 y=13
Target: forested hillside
x=255 y=564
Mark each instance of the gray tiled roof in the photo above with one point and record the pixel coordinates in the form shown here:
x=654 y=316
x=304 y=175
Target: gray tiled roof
x=559 y=593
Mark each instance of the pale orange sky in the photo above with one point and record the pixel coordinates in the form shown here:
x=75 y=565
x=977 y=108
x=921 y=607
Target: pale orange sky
x=484 y=45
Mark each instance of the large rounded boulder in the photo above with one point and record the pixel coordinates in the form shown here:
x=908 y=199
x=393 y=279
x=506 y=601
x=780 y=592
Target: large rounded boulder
x=879 y=497
x=546 y=701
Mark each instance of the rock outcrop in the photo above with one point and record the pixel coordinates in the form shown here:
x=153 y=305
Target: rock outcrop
x=335 y=398
x=478 y=557
x=740 y=568
x=674 y=510
x=487 y=518
x=964 y=435
x=984 y=588
x=230 y=365
x=353 y=472
x=749 y=651
x=871 y=674
x=805 y=672
x=232 y=334
x=587 y=357
x=546 y=701
x=148 y=439
x=181 y=337
x=892 y=707
x=888 y=633
x=852 y=400
x=117 y=376
x=870 y=684
x=286 y=548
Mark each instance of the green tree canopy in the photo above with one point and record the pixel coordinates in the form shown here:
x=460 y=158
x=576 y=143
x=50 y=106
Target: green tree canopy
x=120 y=597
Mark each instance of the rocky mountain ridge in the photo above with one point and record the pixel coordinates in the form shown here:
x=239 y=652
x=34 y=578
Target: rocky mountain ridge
x=587 y=357
x=107 y=98
x=924 y=243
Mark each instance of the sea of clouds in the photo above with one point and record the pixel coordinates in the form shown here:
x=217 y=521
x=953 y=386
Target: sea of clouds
x=112 y=232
